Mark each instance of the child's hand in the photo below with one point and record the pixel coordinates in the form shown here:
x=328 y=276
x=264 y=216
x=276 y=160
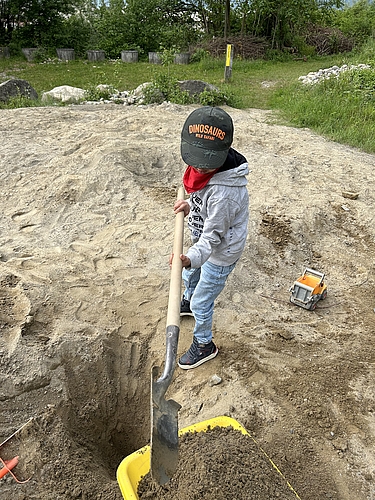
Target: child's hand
x=185 y=260
x=181 y=206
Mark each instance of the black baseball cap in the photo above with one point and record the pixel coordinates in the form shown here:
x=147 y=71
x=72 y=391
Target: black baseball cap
x=206 y=137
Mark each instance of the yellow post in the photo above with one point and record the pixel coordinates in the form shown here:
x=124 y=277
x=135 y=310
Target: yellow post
x=228 y=63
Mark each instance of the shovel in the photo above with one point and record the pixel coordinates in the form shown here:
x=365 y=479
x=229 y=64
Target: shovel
x=164 y=414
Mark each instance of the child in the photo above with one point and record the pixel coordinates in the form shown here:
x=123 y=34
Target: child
x=218 y=213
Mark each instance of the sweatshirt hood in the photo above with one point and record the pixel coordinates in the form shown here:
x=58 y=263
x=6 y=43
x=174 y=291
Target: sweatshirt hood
x=234 y=177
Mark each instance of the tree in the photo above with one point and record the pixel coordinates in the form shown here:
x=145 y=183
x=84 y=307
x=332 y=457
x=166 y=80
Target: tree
x=281 y=20
x=34 y=22
x=155 y=23
x=357 y=21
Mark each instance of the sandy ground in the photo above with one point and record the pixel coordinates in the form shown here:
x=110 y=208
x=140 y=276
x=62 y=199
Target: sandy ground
x=86 y=230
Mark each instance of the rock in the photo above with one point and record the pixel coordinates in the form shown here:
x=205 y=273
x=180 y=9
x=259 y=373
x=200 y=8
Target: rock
x=286 y=335
x=214 y=380
x=16 y=87
x=350 y=195
x=65 y=93
x=340 y=444
x=334 y=71
x=195 y=87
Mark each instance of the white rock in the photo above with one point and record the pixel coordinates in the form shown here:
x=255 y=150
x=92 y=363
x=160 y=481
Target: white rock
x=334 y=71
x=64 y=93
x=214 y=380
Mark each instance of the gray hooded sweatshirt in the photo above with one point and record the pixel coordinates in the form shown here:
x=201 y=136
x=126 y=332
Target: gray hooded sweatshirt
x=219 y=215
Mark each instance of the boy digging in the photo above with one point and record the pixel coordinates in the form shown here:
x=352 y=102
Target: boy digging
x=218 y=213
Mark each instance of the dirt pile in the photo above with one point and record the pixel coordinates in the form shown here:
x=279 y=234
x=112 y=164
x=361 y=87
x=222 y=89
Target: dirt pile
x=219 y=464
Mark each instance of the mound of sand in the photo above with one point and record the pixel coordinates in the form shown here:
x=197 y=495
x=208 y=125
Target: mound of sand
x=86 y=230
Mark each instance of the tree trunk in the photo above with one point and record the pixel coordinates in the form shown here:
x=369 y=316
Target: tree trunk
x=227 y=20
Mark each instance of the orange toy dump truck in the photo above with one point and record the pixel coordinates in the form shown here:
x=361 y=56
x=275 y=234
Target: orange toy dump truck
x=308 y=289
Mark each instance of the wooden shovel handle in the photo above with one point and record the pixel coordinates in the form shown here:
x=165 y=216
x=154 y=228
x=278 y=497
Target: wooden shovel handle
x=173 y=315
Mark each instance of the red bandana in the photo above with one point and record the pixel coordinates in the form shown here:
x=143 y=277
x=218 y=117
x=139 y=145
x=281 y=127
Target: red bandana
x=194 y=181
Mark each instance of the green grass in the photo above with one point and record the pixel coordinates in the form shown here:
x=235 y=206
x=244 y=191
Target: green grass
x=343 y=112
x=341 y=109
x=245 y=85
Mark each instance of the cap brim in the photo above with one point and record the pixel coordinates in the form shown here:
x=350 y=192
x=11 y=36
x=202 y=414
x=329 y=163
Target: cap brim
x=201 y=157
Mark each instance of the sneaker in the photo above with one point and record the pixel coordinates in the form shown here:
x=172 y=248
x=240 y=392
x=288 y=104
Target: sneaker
x=197 y=354
x=185 y=308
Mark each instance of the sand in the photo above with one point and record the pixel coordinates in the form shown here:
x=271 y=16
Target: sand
x=86 y=231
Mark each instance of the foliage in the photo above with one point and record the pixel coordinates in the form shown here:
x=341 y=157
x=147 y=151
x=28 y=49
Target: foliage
x=165 y=88
x=98 y=93
x=35 y=23
x=367 y=52
x=109 y=28
x=20 y=102
x=198 y=55
x=76 y=32
x=167 y=55
x=116 y=25
x=280 y=21
x=151 y=23
x=360 y=83
x=357 y=21
x=212 y=98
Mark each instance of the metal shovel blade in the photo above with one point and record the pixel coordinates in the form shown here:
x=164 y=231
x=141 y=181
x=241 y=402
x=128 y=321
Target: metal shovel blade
x=164 y=415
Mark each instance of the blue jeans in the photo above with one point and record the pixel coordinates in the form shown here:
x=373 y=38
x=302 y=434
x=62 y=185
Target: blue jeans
x=202 y=287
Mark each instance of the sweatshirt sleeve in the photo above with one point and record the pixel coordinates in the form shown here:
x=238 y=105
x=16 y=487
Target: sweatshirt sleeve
x=220 y=214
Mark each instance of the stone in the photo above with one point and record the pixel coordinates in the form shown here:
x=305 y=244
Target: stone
x=214 y=380
x=64 y=93
x=350 y=195
x=15 y=87
x=195 y=87
x=154 y=58
x=334 y=71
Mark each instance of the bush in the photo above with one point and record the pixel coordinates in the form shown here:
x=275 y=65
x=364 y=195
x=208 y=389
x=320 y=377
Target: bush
x=198 y=55
x=212 y=98
x=357 y=21
x=165 y=88
x=98 y=93
x=19 y=102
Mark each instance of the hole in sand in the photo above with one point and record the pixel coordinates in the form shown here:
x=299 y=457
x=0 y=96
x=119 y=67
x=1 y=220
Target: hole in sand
x=107 y=407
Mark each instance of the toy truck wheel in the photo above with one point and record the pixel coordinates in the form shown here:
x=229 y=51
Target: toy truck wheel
x=324 y=295
x=312 y=306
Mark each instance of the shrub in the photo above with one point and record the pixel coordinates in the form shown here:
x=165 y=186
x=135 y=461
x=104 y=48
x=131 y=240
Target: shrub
x=165 y=88
x=212 y=98
x=98 y=93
